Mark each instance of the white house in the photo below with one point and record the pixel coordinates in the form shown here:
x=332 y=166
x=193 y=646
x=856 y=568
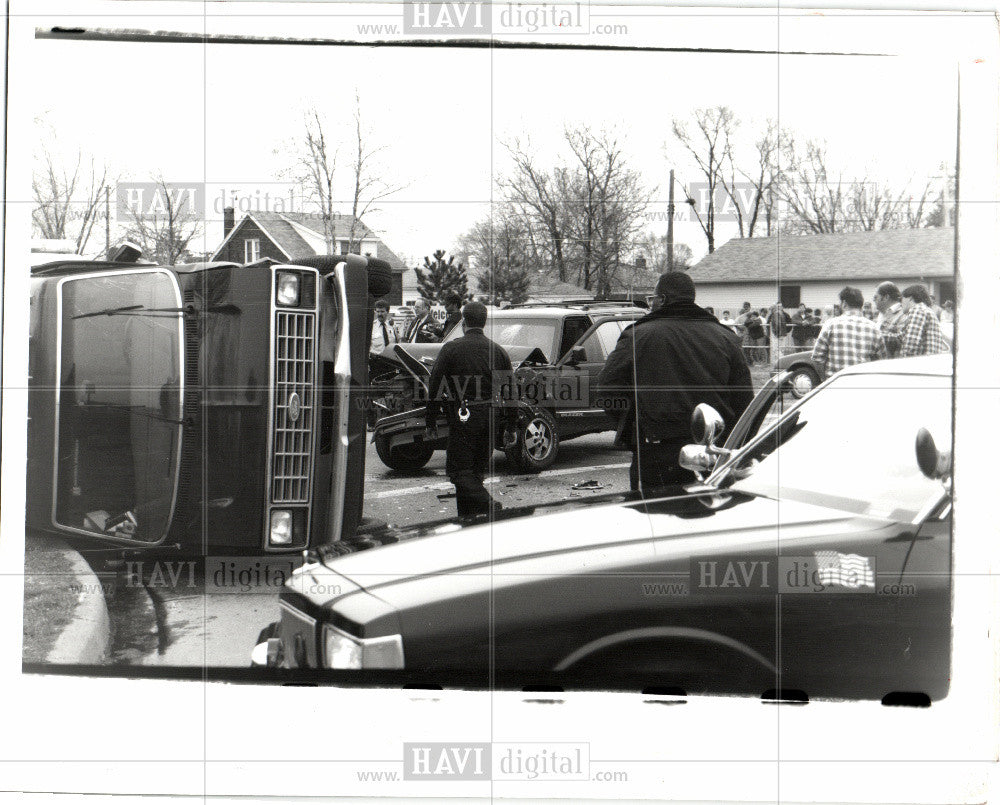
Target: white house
x=812 y=269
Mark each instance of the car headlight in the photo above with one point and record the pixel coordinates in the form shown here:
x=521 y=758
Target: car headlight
x=281 y=527
x=345 y=652
x=287 y=294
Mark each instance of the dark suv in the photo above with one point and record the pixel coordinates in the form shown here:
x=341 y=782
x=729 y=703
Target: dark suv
x=558 y=352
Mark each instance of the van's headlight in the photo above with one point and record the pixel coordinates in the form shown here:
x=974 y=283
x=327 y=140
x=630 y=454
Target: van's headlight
x=281 y=527
x=343 y=651
x=287 y=294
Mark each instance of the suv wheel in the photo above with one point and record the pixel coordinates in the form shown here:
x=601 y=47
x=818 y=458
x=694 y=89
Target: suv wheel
x=537 y=442
x=406 y=457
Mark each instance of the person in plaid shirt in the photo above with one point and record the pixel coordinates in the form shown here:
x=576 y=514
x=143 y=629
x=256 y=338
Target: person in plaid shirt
x=849 y=338
x=890 y=314
x=918 y=330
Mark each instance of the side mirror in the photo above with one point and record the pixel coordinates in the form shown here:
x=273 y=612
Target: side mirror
x=706 y=424
x=577 y=355
x=268 y=654
x=933 y=463
x=696 y=458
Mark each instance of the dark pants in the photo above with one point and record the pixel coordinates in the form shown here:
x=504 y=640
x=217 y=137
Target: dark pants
x=470 y=446
x=655 y=467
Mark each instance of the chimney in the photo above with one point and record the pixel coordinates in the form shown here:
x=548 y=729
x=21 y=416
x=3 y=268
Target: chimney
x=228 y=221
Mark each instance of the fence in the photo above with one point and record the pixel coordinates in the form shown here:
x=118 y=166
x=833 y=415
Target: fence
x=768 y=349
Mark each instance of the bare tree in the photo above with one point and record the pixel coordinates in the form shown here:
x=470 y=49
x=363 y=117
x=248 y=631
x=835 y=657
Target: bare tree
x=535 y=192
x=820 y=202
x=314 y=168
x=815 y=199
x=369 y=188
x=772 y=150
x=708 y=146
x=66 y=200
x=943 y=211
x=606 y=200
x=503 y=252
x=165 y=227
x=872 y=207
x=654 y=249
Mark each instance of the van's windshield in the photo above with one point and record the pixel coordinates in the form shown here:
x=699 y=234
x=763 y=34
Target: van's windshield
x=118 y=422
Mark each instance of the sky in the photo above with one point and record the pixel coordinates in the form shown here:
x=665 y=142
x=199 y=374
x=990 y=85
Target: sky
x=228 y=115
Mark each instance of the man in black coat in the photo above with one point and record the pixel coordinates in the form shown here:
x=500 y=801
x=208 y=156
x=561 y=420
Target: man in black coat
x=677 y=356
x=471 y=370
x=453 y=307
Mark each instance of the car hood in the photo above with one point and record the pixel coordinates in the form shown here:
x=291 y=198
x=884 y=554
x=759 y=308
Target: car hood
x=584 y=539
x=419 y=352
x=426 y=354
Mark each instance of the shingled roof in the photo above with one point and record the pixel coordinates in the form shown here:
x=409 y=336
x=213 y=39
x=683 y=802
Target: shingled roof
x=281 y=228
x=886 y=254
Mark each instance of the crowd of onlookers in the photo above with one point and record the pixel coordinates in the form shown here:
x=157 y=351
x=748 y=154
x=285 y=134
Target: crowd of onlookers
x=766 y=333
x=770 y=333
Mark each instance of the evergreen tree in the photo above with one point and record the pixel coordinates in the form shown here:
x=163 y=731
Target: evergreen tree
x=936 y=217
x=440 y=277
x=505 y=282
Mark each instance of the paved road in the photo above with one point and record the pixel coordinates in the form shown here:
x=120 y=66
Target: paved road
x=194 y=615
x=403 y=499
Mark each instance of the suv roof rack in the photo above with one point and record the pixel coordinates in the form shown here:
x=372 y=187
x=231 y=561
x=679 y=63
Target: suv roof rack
x=581 y=304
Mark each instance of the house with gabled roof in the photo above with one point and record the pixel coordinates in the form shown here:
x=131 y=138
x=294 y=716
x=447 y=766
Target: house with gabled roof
x=287 y=236
x=812 y=269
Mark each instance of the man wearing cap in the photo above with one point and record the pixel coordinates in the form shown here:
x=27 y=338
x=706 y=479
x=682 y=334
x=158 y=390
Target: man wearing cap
x=669 y=361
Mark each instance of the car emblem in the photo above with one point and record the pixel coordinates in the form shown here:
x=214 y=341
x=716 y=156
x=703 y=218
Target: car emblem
x=294 y=407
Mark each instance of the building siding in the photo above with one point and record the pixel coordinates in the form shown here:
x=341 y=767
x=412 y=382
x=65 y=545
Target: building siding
x=248 y=230
x=731 y=296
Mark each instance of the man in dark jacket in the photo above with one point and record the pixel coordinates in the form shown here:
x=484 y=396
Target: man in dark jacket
x=664 y=365
x=453 y=307
x=423 y=329
x=471 y=371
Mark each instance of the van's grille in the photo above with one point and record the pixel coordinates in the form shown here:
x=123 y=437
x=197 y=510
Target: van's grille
x=294 y=388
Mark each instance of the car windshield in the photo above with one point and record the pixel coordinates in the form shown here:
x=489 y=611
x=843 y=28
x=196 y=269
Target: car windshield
x=517 y=332
x=851 y=446
x=119 y=405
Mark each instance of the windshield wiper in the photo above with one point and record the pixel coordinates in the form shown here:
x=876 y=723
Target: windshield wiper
x=133 y=310
x=130 y=409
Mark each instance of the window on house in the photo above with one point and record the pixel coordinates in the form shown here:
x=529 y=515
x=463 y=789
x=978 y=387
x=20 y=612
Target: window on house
x=251 y=250
x=345 y=247
x=790 y=295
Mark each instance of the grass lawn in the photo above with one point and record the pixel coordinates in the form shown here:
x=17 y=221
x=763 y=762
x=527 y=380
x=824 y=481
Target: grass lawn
x=49 y=597
x=760 y=374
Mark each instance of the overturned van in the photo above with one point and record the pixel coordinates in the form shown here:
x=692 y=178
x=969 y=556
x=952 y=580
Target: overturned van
x=203 y=407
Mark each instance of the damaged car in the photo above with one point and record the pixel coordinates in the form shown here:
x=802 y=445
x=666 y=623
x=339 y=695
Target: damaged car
x=558 y=353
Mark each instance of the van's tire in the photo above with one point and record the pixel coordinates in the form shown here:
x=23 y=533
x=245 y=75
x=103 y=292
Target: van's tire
x=405 y=457
x=537 y=442
x=379 y=277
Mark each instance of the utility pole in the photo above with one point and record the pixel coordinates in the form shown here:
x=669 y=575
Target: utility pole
x=670 y=223
x=107 y=222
